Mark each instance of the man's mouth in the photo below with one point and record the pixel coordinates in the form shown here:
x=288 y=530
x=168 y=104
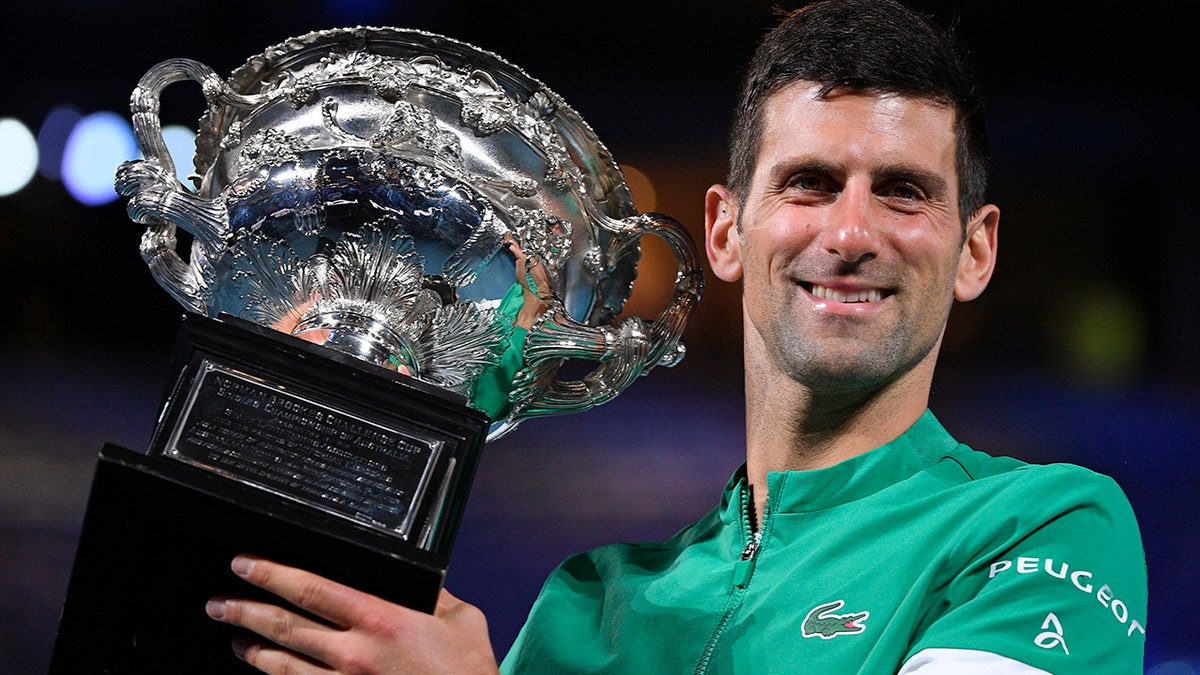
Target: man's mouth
x=866 y=295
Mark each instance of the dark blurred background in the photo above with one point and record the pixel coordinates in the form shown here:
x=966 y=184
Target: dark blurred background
x=1084 y=348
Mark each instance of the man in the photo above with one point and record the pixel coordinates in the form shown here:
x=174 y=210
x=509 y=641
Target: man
x=859 y=536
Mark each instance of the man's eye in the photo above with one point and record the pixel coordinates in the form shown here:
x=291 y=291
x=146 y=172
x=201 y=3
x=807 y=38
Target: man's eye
x=809 y=182
x=905 y=191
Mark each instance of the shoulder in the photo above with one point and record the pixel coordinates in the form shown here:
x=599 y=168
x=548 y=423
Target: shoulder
x=1048 y=565
x=954 y=468
x=1053 y=485
x=1001 y=501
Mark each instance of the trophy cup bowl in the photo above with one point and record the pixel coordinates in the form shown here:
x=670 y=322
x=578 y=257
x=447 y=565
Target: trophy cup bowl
x=396 y=241
x=400 y=196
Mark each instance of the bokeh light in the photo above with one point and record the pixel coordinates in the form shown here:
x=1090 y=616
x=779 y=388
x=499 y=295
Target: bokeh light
x=18 y=155
x=645 y=198
x=1173 y=668
x=1106 y=334
x=181 y=143
x=52 y=139
x=94 y=149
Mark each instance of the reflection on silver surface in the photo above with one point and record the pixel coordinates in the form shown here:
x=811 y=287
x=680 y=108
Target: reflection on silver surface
x=417 y=203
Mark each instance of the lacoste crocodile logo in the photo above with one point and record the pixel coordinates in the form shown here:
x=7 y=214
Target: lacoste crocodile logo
x=821 y=623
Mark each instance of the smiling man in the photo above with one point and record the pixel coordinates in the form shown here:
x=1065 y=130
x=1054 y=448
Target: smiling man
x=851 y=249
x=859 y=536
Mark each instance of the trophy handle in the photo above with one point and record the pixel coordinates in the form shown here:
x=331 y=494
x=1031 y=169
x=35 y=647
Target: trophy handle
x=157 y=198
x=625 y=351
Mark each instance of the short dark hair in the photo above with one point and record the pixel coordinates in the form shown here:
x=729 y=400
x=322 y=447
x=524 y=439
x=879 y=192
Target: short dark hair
x=873 y=46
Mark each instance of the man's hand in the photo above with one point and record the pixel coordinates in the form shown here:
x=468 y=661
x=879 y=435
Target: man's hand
x=364 y=633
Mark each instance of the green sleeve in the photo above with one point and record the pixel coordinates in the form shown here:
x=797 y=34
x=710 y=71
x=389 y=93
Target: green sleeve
x=490 y=393
x=1067 y=597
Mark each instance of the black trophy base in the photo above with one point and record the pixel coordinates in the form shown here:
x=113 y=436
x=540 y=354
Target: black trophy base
x=157 y=540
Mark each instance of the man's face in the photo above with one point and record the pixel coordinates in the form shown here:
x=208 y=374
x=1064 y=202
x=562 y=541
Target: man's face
x=851 y=247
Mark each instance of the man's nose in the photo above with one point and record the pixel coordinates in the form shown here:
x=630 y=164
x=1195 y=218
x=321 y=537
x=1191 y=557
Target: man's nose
x=851 y=233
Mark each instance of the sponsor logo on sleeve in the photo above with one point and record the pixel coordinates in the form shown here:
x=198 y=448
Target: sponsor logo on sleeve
x=1051 y=635
x=823 y=623
x=1081 y=579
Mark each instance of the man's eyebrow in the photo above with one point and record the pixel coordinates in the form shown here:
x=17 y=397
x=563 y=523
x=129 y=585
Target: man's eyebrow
x=791 y=166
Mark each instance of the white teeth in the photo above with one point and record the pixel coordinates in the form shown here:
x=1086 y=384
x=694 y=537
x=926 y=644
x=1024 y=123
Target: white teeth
x=872 y=295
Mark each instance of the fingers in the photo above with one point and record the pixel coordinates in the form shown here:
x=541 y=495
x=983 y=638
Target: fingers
x=368 y=634
x=272 y=659
x=278 y=625
x=327 y=599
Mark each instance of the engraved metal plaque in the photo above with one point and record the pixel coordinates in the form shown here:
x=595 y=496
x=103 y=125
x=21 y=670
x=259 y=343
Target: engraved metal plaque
x=311 y=451
x=357 y=442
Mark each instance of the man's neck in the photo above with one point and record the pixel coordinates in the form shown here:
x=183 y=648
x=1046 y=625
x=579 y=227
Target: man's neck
x=790 y=428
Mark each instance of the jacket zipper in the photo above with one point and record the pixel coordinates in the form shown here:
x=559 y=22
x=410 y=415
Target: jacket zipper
x=742 y=571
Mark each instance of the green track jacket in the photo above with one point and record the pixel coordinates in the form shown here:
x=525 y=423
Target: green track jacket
x=921 y=544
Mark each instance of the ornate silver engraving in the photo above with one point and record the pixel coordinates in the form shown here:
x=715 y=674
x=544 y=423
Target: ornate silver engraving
x=386 y=193
x=268 y=148
x=545 y=234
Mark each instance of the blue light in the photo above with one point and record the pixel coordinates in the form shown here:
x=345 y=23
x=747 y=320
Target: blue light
x=181 y=143
x=96 y=146
x=52 y=139
x=18 y=148
x=1172 y=668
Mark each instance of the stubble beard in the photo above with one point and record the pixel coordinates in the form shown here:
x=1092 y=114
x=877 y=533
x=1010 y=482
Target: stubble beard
x=857 y=365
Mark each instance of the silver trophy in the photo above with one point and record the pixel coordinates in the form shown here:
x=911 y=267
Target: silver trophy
x=417 y=203
x=396 y=240
x=413 y=203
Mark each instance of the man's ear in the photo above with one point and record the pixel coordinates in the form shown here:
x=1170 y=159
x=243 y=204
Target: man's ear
x=978 y=258
x=722 y=240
